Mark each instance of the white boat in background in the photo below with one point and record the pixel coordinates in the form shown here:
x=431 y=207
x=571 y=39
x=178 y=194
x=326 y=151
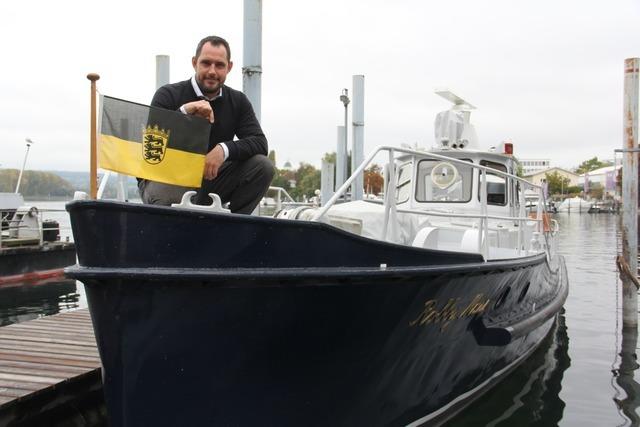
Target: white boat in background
x=30 y=246
x=574 y=204
x=9 y=202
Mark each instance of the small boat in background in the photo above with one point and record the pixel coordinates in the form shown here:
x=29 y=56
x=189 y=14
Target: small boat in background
x=605 y=206
x=574 y=205
x=356 y=313
x=30 y=246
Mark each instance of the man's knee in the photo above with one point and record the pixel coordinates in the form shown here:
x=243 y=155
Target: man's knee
x=263 y=168
x=157 y=193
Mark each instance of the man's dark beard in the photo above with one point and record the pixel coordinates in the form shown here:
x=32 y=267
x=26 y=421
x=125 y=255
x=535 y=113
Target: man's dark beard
x=207 y=91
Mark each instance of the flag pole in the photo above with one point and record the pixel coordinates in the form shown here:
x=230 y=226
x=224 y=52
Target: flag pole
x=93 y=168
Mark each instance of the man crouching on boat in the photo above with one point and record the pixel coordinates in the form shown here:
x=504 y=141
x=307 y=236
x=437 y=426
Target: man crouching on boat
x=238 y=171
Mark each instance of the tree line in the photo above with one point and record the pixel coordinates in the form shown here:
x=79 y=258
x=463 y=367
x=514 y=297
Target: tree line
x=301 y=183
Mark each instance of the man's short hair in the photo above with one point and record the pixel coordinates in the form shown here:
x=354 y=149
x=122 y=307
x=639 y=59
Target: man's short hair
x=216 y=41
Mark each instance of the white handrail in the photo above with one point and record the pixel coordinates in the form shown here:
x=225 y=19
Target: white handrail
x=390 y=215
x=483 y=230
x=521 y=222
x=40 y=228
x=483 y=218
x=344 y=187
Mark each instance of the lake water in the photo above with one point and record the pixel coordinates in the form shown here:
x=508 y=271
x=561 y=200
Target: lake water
x=577 y=377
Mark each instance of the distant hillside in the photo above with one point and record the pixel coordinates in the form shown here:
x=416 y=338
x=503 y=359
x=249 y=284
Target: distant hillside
x=80 y=182
x=36 y=184
x=58 y=184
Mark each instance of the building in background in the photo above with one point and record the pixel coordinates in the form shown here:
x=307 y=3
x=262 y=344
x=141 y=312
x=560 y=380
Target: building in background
x=530 y=166
x=604 y=178
x=538 y=176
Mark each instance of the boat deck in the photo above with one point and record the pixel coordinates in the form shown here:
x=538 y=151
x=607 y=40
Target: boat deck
x=48 y=365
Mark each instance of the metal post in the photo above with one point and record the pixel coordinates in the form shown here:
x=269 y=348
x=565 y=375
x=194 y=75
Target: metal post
x=630 y=192
x=390 y=209
x=521 y=214
x=483 y=232
x=357 y=155
x=341 y=157
x=162 y=70
x=326 y=182
x=93 y=158
x=252 y=53
x=24 y=163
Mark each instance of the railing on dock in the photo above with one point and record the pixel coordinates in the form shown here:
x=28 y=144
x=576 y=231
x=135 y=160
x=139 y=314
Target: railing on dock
x=12 y=228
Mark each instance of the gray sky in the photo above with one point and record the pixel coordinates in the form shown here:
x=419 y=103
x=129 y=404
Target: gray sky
x=547 y=73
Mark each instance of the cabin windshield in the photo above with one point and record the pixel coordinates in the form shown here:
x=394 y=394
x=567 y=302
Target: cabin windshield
x=443 y=181
x=496 y=184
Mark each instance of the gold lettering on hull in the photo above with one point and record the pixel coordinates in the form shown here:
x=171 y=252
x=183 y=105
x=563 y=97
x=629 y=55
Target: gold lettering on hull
x=450 y=311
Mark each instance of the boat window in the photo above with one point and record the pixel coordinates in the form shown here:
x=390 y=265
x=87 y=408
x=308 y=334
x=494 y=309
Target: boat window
x=443 y=181
x=403 y=186
x=496 y=184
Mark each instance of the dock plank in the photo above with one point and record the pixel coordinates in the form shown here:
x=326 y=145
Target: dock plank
x=27 y=386
x=38 y=329
x=44 y=354
x=49 y=358
x=12 y=392
x=32 y=378
x=48 y=338
x=35 y=346
x=64 y=374
x=47 y=366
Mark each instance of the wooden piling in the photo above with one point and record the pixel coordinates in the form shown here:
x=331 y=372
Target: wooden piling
x=630 y=193
x=93 y=161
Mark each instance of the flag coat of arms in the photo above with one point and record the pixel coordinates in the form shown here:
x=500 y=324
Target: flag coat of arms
x=152 y=143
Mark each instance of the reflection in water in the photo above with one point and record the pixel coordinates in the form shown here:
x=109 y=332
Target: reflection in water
x=529 y=396
x=624 y=378
x=28 y=301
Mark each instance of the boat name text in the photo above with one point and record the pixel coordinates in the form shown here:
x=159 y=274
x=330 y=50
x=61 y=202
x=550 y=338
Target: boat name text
x=450 y=311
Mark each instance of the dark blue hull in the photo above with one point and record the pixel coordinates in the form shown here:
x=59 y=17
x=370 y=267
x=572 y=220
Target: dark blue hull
x=326 y=336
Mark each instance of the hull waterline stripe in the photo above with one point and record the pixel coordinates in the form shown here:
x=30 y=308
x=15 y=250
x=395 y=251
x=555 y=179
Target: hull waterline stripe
x=32 y=276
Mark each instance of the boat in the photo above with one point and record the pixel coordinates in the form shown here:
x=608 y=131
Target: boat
x=575 y=205
x=391 y=313
x=604 y=206
x=30 y=245
x=532 y=202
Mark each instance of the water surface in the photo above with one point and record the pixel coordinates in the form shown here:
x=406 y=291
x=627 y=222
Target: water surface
x=577 y=377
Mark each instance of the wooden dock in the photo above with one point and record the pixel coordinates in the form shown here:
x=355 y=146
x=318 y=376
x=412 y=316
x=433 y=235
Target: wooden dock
x=50 y=368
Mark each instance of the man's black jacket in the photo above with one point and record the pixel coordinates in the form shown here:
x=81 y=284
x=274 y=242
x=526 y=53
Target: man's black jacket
x=233 y=116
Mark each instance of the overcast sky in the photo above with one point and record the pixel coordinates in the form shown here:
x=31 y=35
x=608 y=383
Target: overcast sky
x=547 y=73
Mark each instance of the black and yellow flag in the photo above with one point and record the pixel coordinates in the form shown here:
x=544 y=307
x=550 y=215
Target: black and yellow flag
x=152 y=143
